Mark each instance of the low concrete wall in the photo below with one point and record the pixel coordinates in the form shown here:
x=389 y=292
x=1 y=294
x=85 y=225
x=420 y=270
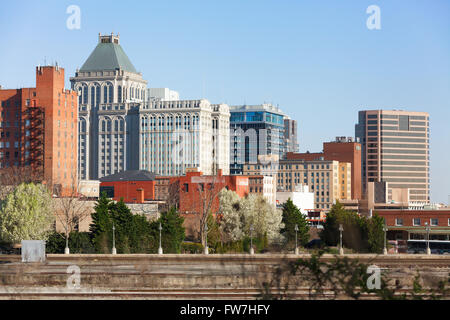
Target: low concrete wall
x=141 y=272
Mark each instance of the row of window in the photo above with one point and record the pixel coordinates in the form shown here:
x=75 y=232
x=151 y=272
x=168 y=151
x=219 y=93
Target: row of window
x=418 y=222
x=7 y=145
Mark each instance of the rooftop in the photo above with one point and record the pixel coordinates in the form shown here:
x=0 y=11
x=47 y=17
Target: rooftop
x=108 y=55
x=130 y=175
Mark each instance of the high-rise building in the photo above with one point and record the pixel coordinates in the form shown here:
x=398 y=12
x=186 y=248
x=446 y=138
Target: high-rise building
x=110 y=92
x=38 y=131
x=290 y=135
x=395 y=149
x=343 y=149
x=124 y=126
x=177 y=135
x=255 y=130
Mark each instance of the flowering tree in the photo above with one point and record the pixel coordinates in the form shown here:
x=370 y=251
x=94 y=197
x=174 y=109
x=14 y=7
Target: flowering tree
x=265 y=218
x=238 y=215
x=230 y=223
x=26 y=214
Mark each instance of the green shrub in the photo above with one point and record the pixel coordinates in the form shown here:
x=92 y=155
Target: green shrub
x=260 y=244
x=80 y=242
x=55 y=243
x=191 y=247
x=229 y=247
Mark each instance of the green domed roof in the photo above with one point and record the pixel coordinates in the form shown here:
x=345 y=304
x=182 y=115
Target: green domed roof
x=108 y=56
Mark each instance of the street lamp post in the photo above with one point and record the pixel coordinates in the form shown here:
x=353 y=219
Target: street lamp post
x=206 y=235
x=114 y=251
x=385 y=229
x=341 y=249
x=160 y=249
x=252 y=251
x=296 y=246
x=428 y=229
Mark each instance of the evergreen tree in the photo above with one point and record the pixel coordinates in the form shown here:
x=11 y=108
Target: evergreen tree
x=173 y=232
x=360 y=233
x=330 y=232
x=101 y=225
x=214 y=234
x=291 y=217
x=375 y=234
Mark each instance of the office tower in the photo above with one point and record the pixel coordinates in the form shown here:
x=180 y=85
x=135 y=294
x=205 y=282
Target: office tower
x=38 y=131
x=342 y=149
x=110 y=92
x=395 y=149
x=177 y=135
x=255 y=130
x=290 y=135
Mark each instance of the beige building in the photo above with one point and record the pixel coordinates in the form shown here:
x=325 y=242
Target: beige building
x=264 y=185
x=395 y=149
x=328 y=180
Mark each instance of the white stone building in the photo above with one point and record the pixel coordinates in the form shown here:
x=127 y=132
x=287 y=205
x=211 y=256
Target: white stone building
x=176 y=135
x=109 y=89
x=301 y=197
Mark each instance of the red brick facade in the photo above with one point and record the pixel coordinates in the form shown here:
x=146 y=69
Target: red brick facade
x=129 y=190
x=196 y=189
x=408 y=217
x=39 y=130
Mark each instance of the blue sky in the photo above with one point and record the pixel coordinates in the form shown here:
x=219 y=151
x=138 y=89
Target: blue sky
x=315 y=59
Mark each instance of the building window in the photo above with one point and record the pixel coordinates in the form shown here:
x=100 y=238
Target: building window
x=416 y=221
x=398 y=221
x=434 y=221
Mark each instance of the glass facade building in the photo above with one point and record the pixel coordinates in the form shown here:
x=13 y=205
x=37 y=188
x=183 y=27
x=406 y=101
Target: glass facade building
x=255 y=131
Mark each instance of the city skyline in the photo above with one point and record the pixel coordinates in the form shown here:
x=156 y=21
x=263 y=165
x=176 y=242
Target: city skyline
x=301 y=57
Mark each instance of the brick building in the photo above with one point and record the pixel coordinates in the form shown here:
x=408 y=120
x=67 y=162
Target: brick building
x=410 y=224
x=195 y=188
x=185 y=192
x=343 y=150
x=134 y=186
x=38 y=132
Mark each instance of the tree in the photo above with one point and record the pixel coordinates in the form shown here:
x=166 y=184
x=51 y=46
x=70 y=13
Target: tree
x=330 y=232
x=208 y=190
x=215 y=238
x=133 y=233
x=292 y=217
x=71 y=210
x=173 y=199
x=238 y=215
x=172 y=234
x=230 y=217
x=375 y=233
x=360 y=233
x=26 y=214
x=264 y=217
x=101 y=224
x=13 y=176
